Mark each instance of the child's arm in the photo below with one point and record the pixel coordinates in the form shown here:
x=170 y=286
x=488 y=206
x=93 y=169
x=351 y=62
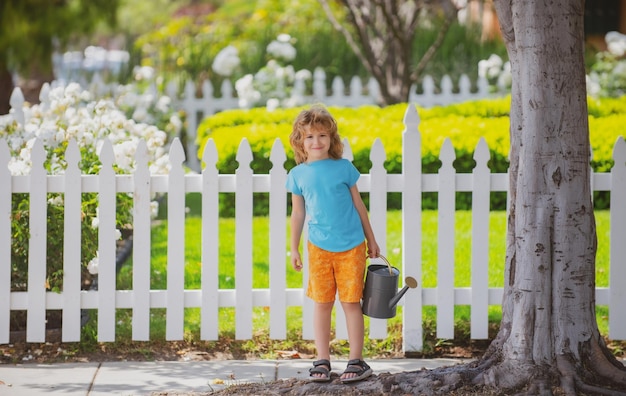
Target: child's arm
x=298 y=213
x=373 y=250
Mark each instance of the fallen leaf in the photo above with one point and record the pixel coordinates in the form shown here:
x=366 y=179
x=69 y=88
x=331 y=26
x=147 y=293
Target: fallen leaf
x=289 y=354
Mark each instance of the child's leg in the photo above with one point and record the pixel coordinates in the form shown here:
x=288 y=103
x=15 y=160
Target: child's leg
x=321 y=328
x=356 y=332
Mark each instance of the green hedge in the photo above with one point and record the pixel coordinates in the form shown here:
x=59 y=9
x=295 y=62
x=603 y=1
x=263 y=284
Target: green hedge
x=463 y=123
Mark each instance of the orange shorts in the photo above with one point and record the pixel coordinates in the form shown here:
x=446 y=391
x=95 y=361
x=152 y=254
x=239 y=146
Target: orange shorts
x=330 y=272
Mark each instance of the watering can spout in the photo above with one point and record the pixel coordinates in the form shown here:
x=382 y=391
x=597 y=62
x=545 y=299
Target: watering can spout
x=410 y=283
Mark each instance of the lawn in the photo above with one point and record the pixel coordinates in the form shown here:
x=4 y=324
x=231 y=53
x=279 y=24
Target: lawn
x=462 y=277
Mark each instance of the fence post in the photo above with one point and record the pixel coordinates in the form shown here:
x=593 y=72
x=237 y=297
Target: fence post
x=243 y=242
x=72 y=245
x=617 y=293
x=481 y=189
x=210 y=244
x=378 y=216
x=5 y=243
x=278 y=236
x=36 y=314
x=141 y=244
x=106 y=245
x=175 y=316
x=446 y=242
x=412 y=332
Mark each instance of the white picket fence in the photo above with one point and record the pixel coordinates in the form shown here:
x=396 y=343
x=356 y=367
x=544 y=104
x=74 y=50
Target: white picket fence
x=210 y=298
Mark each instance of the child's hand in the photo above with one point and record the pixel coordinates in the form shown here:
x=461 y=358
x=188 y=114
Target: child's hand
x=373 y=250
x=296 y=262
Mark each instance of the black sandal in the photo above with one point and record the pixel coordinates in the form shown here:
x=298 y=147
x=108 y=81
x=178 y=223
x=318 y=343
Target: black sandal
x=358 y=367
x=318 y=368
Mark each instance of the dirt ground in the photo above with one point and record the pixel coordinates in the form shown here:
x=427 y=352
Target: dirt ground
x=54 y=351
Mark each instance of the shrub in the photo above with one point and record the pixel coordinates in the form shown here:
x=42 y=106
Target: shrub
x=463 y=123
x=71 y=113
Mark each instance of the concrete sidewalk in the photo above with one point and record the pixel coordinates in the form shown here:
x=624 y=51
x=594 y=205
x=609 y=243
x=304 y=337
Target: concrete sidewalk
x=143 y=378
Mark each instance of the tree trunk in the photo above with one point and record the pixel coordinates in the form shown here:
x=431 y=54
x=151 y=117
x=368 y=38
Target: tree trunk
x=6 y=88
x=32 y=83
x=382 y=34
x=549 y=336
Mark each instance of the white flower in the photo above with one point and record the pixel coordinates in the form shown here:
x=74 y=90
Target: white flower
x=143 y=73
x=92 y=266
x=125 y=154
x=276 y=84
x=226 y=61
x=176 y=124
x=294 y=100
x=490 y=68
x=620 y=69
x=283 y=38
x=57 y=165
x=246 y=92
x=163 y=104
x=57 y=200
x=154 y=209
x=161 y=166
x=616 y=43
x=593 y=85
x=272 y=104
x=505 y=79
x=141 y=114
x=281 y=48
x=19 y=167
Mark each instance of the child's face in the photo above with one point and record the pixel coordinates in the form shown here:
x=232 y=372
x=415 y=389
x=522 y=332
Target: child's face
x=316 y=144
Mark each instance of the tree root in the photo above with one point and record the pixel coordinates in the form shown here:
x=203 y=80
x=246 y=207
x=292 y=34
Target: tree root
x=596 y=390
x=529 y=379
x=602 y=376
x=591 y=372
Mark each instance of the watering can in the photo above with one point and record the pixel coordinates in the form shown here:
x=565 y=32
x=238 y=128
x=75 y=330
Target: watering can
x=380 y=294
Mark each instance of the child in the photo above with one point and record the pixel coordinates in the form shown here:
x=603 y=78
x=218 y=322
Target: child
x=323 y=185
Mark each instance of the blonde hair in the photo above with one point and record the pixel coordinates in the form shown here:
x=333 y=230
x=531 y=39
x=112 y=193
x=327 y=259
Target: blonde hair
x=317 y=117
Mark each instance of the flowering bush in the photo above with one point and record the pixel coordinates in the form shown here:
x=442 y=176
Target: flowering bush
x=607 y=77
x=72 y=113
x=272 y=86
x=497 y=72
x=226 y=61
x=464 y=123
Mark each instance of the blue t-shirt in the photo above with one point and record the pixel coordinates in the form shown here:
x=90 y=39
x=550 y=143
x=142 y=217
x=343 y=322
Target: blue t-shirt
x=334 y=223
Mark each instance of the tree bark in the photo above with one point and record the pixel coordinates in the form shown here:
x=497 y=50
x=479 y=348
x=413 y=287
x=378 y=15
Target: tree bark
x=6 y=88
x=549 y=336
x=382 y=33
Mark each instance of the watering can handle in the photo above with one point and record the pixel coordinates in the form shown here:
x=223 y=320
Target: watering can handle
x=380 y=256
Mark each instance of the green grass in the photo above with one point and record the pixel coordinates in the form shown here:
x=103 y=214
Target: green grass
x=226 y=266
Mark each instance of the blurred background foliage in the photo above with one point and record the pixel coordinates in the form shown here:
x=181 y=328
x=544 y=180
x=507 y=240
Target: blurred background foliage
x=180 y=38
x=183 y=47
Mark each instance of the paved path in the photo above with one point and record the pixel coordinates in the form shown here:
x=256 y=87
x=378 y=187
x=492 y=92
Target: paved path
x=143 y=378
